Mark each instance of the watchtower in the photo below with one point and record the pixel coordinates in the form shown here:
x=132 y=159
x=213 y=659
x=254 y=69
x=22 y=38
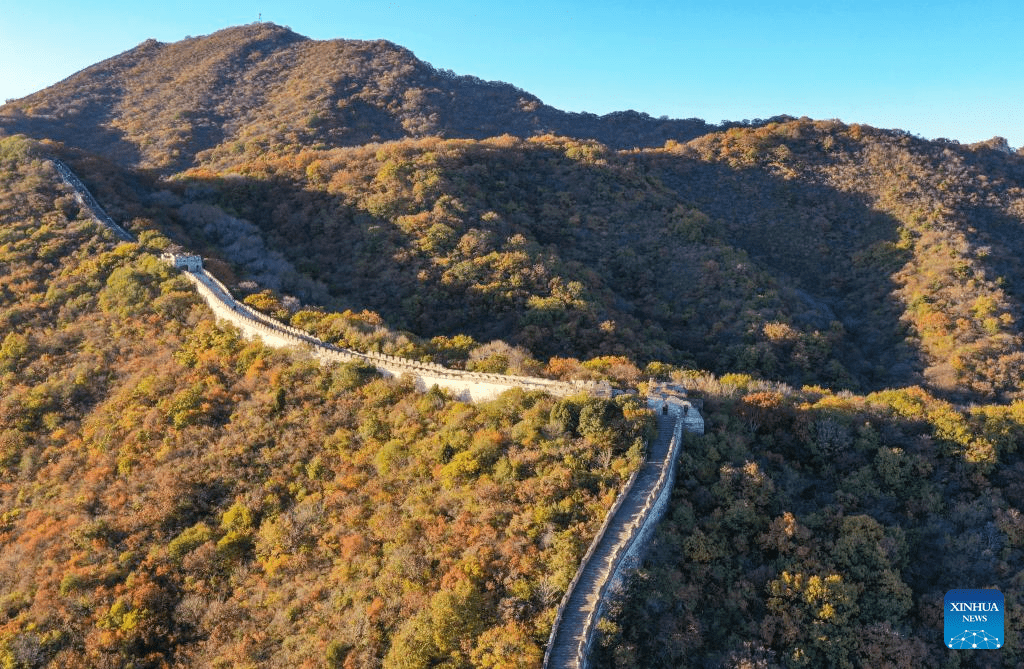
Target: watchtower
x=186 y=262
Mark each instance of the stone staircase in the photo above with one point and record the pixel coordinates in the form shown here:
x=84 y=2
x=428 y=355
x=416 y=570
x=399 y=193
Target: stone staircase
x=635 y=511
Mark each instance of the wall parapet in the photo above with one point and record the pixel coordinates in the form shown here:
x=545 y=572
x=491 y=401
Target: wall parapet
x=86 y=200
x=631 y=538
x=585 y=562
x=628 y=555
x=474 y=386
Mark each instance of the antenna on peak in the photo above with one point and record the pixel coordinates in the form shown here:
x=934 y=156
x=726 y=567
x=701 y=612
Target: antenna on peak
x=259 y=17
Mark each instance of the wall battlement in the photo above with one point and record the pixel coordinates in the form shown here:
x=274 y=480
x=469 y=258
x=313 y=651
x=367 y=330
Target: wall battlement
x=470 y=386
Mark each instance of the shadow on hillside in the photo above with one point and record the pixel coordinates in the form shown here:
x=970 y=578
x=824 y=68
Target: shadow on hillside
x=839 y=253
x=810 y=256
x=1002 y=237
x=84 y=131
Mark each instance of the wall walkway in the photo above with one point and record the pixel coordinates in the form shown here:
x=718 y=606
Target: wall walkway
x=86 y=200
x=470 y=386
x=622 y=538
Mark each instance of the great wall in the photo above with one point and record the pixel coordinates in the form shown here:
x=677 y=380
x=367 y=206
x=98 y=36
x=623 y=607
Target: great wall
x=469 y=386
x=628 y=525
x=620 y=543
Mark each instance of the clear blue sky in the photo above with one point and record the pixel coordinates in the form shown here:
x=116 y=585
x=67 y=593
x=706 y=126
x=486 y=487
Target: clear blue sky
x=936 y=68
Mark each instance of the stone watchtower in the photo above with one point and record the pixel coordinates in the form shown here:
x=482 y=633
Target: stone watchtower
x=186 y=262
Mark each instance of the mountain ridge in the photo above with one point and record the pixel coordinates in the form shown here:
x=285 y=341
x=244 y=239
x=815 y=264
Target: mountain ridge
x=162 y=104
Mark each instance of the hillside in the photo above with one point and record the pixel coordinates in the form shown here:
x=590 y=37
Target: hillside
x=173 y=495
x=261 y=86
x=812 y=529
x=915 y=246
x=809 y=252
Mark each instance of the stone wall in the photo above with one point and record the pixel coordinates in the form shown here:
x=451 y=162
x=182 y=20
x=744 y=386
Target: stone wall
x=660 y=498
x=468 y=386
x=86 y=200
x=635 y=545
x=630 y=540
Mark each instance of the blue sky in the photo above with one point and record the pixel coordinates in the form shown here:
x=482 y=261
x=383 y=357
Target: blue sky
x=936 y=68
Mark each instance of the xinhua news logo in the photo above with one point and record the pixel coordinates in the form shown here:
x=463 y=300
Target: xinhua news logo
x=974 y=619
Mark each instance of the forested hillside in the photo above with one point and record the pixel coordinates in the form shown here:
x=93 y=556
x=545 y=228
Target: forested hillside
x=175 y=495
x=809 y=252
x=846 y=300
x=801 y=251
x=812 y=529
x=914 y=245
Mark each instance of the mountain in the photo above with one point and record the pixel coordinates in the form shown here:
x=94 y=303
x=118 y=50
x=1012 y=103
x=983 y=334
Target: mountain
x=262 y=86
x=808 y=252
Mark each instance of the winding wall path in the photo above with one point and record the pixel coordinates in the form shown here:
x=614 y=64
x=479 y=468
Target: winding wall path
x=470 y=386
x=622 y=538
x=627 y=526
x=86 y=200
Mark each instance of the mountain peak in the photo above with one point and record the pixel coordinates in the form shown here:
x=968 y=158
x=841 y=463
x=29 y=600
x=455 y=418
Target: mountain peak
x=256 y=32
x=261 y=85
